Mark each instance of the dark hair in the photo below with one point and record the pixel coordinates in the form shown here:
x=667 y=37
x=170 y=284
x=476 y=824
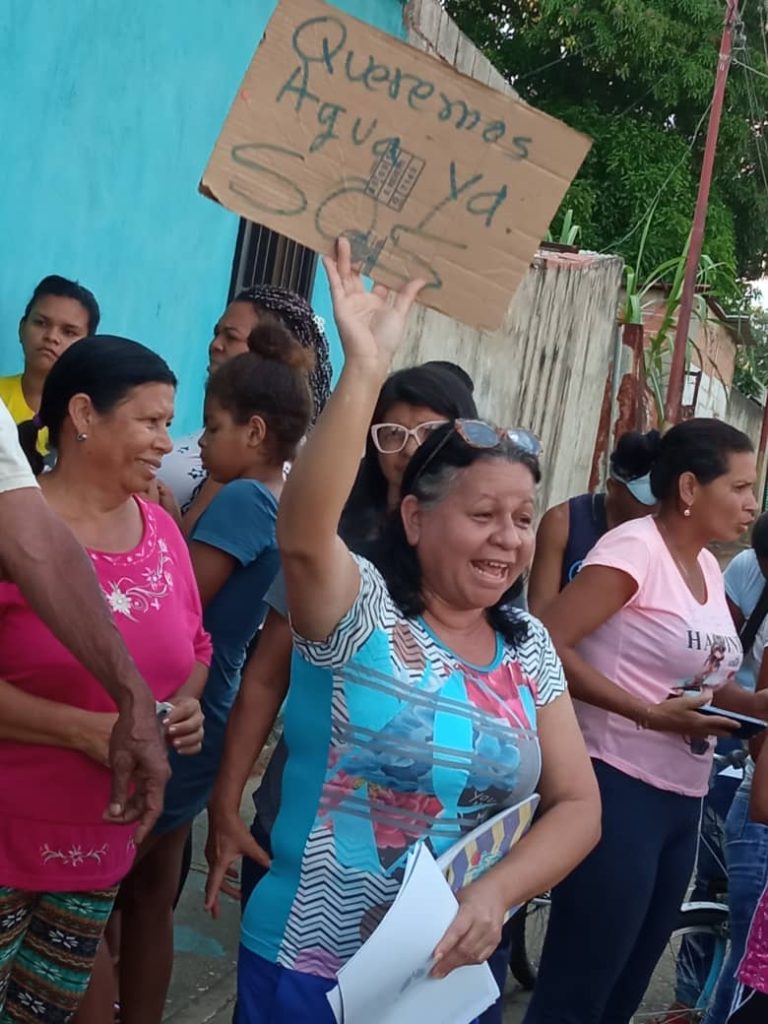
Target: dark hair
x=760 y=536
x=699 y=446
x=456 y=370
x=432 y=386
x=104 y=367
x=295 y=313
x=635 y=454
x=268 y=381
x=63 y=288
x=398 y=561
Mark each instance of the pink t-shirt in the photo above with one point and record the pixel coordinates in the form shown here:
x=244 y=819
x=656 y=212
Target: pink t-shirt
x=660 y=640
x=753 y=970
x=52 y=836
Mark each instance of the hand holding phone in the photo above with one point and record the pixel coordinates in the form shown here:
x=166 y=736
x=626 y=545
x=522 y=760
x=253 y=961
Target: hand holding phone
x=748 y=727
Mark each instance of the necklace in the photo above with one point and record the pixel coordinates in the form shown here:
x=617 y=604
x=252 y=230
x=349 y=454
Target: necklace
x=678 y=562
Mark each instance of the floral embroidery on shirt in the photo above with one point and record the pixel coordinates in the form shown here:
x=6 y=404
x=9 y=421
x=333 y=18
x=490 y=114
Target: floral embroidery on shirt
x=32 y=1003
x=126 y=596
x=75 y=856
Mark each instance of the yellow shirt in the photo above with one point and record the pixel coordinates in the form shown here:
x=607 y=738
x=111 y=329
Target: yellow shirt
x=12 y=394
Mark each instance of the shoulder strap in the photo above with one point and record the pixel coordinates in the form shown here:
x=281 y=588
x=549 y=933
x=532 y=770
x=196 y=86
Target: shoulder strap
x=599 y=513
x=755 y=620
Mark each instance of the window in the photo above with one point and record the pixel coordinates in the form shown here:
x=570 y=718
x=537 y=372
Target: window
x=263 y=256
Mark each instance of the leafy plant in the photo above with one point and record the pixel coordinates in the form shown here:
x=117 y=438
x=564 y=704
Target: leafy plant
x=569 y=231
x=669 y=275
x=751 y=376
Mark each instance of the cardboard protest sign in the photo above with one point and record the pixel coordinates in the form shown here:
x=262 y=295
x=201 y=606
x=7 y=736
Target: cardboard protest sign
x=341 y=129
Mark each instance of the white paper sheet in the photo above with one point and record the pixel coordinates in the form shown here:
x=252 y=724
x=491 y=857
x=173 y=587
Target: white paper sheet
x=387 y=981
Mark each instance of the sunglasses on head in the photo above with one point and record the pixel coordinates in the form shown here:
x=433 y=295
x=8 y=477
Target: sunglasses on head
x=479 y=434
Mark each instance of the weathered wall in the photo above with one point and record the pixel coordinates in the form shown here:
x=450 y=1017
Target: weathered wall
x=429 y=28
x=745 y=414
x=546 y=368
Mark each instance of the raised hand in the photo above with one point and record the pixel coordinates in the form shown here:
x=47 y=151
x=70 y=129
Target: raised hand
x=371 y=323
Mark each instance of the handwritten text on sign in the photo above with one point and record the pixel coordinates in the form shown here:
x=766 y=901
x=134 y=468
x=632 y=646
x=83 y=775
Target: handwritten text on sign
x=341 y=129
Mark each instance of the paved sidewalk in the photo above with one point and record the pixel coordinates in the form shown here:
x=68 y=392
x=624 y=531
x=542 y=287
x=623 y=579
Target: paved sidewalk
x=202 y=989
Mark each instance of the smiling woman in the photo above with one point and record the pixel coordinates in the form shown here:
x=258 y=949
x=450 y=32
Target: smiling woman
x=419 y=705
x=108 y=403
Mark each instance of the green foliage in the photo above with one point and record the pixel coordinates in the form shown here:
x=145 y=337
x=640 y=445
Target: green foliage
x=751 y=374
x=669 y=275
x=566 y=230
x=637 y=76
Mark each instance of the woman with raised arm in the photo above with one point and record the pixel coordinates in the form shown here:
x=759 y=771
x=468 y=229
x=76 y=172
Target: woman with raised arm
x=412 y=402
x=423 y=658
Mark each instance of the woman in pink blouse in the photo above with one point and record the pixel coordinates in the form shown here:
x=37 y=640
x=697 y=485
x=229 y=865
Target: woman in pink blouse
x=107 y=405
x=646 y=639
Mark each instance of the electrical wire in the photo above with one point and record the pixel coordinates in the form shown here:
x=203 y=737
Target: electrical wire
x=652 y=205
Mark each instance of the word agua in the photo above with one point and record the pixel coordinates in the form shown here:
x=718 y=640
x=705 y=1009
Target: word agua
x=400 y=86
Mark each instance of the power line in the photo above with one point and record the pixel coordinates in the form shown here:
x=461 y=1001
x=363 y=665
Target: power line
x=652 y=205
x=748 y=67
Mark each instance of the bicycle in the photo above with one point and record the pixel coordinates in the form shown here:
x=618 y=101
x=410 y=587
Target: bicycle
x=700 y=938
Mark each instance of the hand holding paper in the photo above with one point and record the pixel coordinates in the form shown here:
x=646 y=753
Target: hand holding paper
x=387 y=981
x=475 y=931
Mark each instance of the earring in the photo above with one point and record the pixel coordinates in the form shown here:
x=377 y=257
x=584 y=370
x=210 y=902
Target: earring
x=687 y=512
x=82 y=437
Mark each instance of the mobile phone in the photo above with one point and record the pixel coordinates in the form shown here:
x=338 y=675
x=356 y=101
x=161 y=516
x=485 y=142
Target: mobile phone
x=749 y=727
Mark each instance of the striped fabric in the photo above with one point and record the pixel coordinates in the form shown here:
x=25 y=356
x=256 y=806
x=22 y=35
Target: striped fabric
x=391 y=739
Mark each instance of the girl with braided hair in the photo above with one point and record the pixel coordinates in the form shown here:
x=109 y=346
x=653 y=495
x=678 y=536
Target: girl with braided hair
x=182 y=472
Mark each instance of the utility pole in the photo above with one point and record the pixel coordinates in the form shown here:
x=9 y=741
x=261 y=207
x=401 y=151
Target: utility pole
x=674 y=402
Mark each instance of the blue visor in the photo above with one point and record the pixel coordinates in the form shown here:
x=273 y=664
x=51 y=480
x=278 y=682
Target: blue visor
x=639 y=488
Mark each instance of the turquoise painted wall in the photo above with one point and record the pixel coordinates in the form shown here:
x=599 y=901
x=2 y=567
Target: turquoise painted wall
x=109 y=112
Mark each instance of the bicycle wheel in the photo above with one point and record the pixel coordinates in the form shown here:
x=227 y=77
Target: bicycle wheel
x=528 y=928
x=684 y=982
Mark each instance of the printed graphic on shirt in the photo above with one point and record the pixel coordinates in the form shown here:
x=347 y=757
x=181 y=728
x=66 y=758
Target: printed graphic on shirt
x=423 y=747
x=720 y=652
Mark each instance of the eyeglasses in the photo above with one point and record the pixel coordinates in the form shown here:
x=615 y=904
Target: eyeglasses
x=391 y=438
x=479 y=434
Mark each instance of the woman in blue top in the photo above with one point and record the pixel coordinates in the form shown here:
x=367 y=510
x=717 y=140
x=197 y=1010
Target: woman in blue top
x=257 y=409
x=440 y=707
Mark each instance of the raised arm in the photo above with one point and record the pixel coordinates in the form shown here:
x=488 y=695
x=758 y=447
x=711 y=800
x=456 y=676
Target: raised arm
x=547 y=568
x=321 y=576
x=41 y=556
